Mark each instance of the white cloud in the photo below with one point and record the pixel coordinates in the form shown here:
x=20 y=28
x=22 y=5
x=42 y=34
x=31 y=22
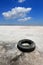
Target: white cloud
x=17 y=12
x=20 y=1
x=24 y=19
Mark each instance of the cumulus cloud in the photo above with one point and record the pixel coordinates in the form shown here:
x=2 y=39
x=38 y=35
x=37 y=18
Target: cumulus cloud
x=24 y=19
x=16 y=12
x=20 y=1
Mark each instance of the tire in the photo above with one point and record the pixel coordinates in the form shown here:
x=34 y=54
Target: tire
x=31 y=45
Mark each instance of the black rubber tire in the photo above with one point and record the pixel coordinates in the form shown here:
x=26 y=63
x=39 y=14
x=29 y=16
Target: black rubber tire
x=22 y=48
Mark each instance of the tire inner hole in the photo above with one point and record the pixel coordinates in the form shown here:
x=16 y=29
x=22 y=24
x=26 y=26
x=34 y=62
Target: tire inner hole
x=25 y=44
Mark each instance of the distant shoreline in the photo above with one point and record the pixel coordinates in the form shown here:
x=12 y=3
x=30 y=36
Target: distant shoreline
x=17 y=25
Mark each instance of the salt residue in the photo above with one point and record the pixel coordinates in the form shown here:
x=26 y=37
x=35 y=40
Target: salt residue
x=15 y=33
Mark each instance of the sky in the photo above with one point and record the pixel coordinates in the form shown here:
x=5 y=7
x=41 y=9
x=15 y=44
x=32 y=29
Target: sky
x=21 y=12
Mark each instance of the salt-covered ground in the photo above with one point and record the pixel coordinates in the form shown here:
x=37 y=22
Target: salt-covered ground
x=9 y=37
x=15 y=33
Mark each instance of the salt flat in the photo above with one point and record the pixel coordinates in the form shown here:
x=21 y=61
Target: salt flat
x=15 y=33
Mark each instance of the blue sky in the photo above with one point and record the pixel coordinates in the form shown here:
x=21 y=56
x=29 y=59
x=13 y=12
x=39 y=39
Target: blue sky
x=21 y=12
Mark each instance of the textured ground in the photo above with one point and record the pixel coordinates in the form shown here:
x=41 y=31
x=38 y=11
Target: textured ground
x=10 y=55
